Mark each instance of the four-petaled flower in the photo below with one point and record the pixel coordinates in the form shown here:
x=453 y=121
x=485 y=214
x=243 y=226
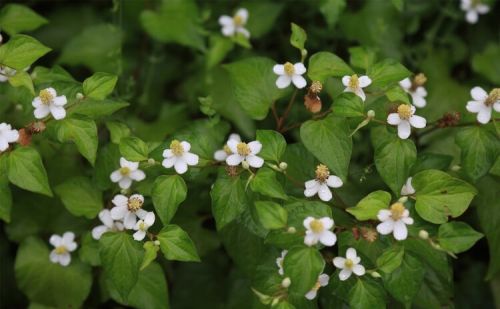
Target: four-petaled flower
x=319 y=230
x=127 y=172
x=407 y=188
x=62 y=248
x=244 y=152
x=48 y=102
x=356 y=84
x=289 y=73
x=321 y=183
x=128 y=209
x=108 y=224
x=349 y=264
x=222 y=154
x=236 y=24
x=322 y=281
x=279 y=262
x=416 y=89
x=143 y=225
x=179 y=157
x=394 y=220
x=405 y=119
x=473 y=8
x=7 y=135
x=483 y=103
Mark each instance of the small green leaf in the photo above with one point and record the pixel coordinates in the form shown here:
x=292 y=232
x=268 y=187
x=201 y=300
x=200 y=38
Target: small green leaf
x=369 y=206
x=117 y=130
x=80 y=196
x=387 y=72
x=303 y=265
x=15 y=18
x=362 y=57
x=367 y=294
x=99 y=85
x=89 y=250
x=265 y=183
x=168 y=193
x=25 y=170
x=348 y=105
x=273 y=145
x=397 y=94
x=219 y=47
x=229 y=199
x=176 y=244
x=298 y=37
x=271 y=215
x=22 y=79
x=97 y=108
x=457 y=237
x=150 y=253
x=390 y=259
x=440 y=195
x=324 y=64
x=82 y=131
x=21 y=51
x=331 y=10
x=134 y=149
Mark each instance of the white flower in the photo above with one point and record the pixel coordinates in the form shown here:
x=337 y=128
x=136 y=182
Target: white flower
x=319 y=230
x=63 y=246
x=321 y=183
x=349 y=264
x=5 y=73
x=407 y=188
x=128 y=209
x=143 y=225
x=483 y=103
x=405 y=119
x=415 y=89
x=128 y=172
x=48 y=102
x=244 y=152
x=394 y=220
x=222 y=154
x=7 y=135
x=356 y=84
x=108 y=224
x=473 y=8
x=179 y=157
x=322 y=281
x=279 y=262
x=289 y=73
x=236 y=24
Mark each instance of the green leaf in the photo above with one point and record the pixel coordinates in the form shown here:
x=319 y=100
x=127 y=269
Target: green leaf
x=121 y=258
x=331 y=10
x=99 y=85
x=21 y=51
x=80 y=196
x=397 y=94
x=429 y=160
x=405 y=281
x=15 y=18
x=362 y=57
x=117 y=130
x=328 y=140
x=22 y=79
x=97 y=108
x=439 y=195
x=390 y=259
x=393 y=158
x=47 y=283
x=219 y=47
x=265 y=183
x=228 y=199
x=480 y=148
x=82 y=131
x=486 y=63
x=273 y=145
x=369 y=206
x=176 y=21
x=271 y=215
x=348 y=105
x=168 y=193
x=250 y=74
x=262 y=16
x=25 y=170
x=150 y=253
x=367 y=294
x=298 y=37
x=324 y=64
x=5 y=197
x=176 y=244
x=387 y=72
x=457 y=237
x=89 y=250
x=134 y=149
x=303 y=265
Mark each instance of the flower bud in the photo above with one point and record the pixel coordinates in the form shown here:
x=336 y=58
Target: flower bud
x=286 y=282
x=275 y=301
x=375 y=274
x=420 y=79
x=19 y=107
x=291 y=230
x=370 y=114
x=403 y=199
x=151 y=161
x=283 y=166
x=245 y=165
x=79 y=96
x=423 y=234
x=156 y=242
x=456 y=168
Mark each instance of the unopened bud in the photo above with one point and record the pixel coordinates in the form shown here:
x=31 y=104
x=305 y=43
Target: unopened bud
x=403 y=199
x=375 y=274
x=303 y=52
x=283 y=166
x=456 y=168
x=291 y=230
x=370 y=114
x=79 y=96
x=151 y=161
x=124 y=191
x=19 y=107
x=275 y=301
x=286 y=282
x=436 y=246
x=423 y=234
x=245 y=165
x=156 y=242
x=420 y=79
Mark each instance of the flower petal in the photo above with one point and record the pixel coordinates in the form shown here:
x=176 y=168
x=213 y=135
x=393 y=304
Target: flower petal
x=255 y=161
x=359 y=270
x=385 y=227
x=137 y=175
x=311 y=294
x=234 y=160
x=393 y=119
x=190 y=158
x=233 y=145
x=478 y=94
x=418 y=101
x=324 y=193
x=255 y=147
x=125 y=183
x=334 y=181
x=60 y=100
x=484 y=114
x=139 y=235
x=345 y=274
x=119 y=212
x=351 y=253
x=383 y=214
x=129 y=220
x=225 y=20
x=364 y=81
x=41 y=111
x=474 y=106
x=327 y=222
x=243 y=13
x=283 y=81
x=310 y=239
x=299 y=81
x=339 y=262
x=180 y=166
x=418 y=121
x=346 y=80
x=471 y=17
x=64 y=259
x=307 y=222
x=299 y=68
x=169 y=162
x=404 y=129
x=360 y=93
x=98 y=231
x=149 y=219
x=328 y=238
x=57 y=112
x=311 y=183
x=400 y=230
x=55 y=240
x=228 y=30
x=405 y=83
x=323 y=279
x=312 y=191
x=220 y=155
x=279 y=69
x=120 y=200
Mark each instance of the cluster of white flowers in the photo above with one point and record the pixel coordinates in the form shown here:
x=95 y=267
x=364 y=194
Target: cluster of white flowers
x=63 y=245
x=472 y=10
x=320 y=185
x=48 y=102
x=236 y=24
x=7 y=135
x=483 y=103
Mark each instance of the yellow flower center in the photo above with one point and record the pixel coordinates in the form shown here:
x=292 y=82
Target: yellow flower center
x=316 y=87
x=45 y=96
x=493 y=97
x=142 y=226
x=60 y=250
x=316 y=226
x=238 y=20
x=397 y=210
x=349 y=263
x=404 y=111
x=322 y=173
x=227 y=150
x=289 y=68
x=354 y=82
x=176 y=148
x=134 y=204
x=419 y=80
x=125 y=171
x=243 y=149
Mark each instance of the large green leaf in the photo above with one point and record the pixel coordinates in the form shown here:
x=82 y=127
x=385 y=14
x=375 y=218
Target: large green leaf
x=229 y=199
x=80 y=196
x=405 y=281
x=176 y=244
x=271 y=215
x=325 y=64
x=329 y=140
x=391 y=259
x=82 y=131
x=457 y=237
x=367 y=294
x=134 y=149
x=303 y=265
x=25 y=170
x=369 y=206
x=168 y=193
x=97 y=108
x=21 y=51
x=15 y=18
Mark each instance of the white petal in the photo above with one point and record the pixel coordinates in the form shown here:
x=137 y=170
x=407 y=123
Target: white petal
x=52 y=91
x=334 y=181
x=400 y=230
x=404 y=129
x=255 y=161
x=482 y=8
x=496 y=106
x=150 y=218
x=360 y=93
x=327 y=222
x=471 y=17
x=11 y=136
x=185 y=146
x=167 y=153
x=125 y=183
x=57 y=112
x=339 y=262
x=190 y=158
x=283 y=81
x=418 y=121
x=225 y=20
x=243 y=31
x=299 y=68
x=141 y=213
x=233 y=145
x=407 y=220
x=220 y=155
x=323 y=279
x=279 y=69
x=474 y=106
x=68 y=238
x=311 y=183
x=383 y=214
x=346 y=80
x=351 y=254
x=115 y=176
x=364 y=81
x=119 y=212
x=41 y=111
x=418 y=101
x=131 y=165
x=358 y=270
x=64 y=259
x=312 y=191
x=169 y=162
x=299 y=81
x=484 y=114
x=71 y=246
x=139 y=235
x=37 y=102
x=328 y=238
x=310 y=239
x=324 y=193
x=98 y=231
x=54 y=257
x=234 y=160
x=181 y=166
x=3 y=144
x=405 y=83
x=420 y=91
x=311 y=294
x=478 y=94
x=307 y=222
x=407 y=188
x=385 y=227
x=255 y=147
x=137 y=175
x=243 y=13
x=345 y=274
x=55 y=240
x=120 y=200
x=393 y=119
x=234 y=136
x=129 y=220
x=60 y=100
